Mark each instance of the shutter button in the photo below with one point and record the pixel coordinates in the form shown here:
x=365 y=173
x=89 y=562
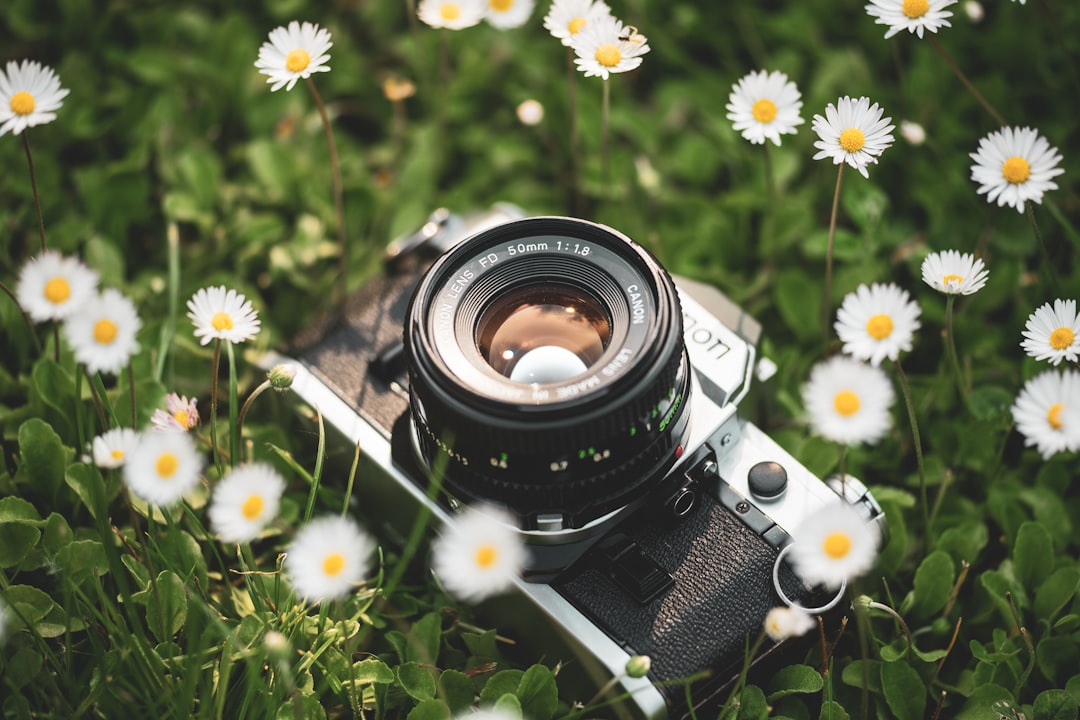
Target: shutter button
x=767 y=481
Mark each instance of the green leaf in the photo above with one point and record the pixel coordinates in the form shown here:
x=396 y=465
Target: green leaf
x=430 y=710
x=22 y=667
x=794 y=679
x=57 y=533
x=832 y=710
x=424 y=640
x=980 y=704
x=166 y=608
x=301 y=707
x=1057 y=657
x=43 y=455
x=482 y=647
x=416 y=681
x=16 y=510
x=16 y=542
x=372 y=670
x=508 y=706
x=538 y=693
x=863 y=674
x=1055 y=705
x=752 y=704
x=88 y=484
x=457 y=689
x=799 y=301
x=82 y=559
x=933 y=583
x=502 y=682
x=990 y=401
x=1033 y=554
x=56 y=389
x=905 y=691
x=964 y=541
x=1056 y=591
x=26 y=604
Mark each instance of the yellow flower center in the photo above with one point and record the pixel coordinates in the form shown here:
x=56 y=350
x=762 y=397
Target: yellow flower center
x=167 y=463
x=608 y=55
x=837 y=545
x=764 y=111
x=575 y=25
x=449 y=11
x=846 y=403
x=57 y=290
x=486 y=555
x=253 y=507
x=1053 y=415
x=222 y=321
x=916 y=8
x=879 y=327
x=852 y=140
x=117 y=454
x=182 y=417
x=104 y=331
x=297 y=60
x=333 y=564
x=1062 y=338
x=952 y=278
x=22 y=103
x=501 y=5
x=1016 y=170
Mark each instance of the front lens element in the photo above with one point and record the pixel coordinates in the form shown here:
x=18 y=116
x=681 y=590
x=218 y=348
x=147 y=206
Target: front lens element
x=543 y=333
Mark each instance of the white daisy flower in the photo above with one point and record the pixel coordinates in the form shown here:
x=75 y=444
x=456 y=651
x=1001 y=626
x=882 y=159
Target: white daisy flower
x=1053 y=333
x=567 y=18
x=848 y=401
x=1047 y=412
x=911 y=15
x=764 y=105
x=51 y=286
x=1014 y=166
x=834 y=544
x=245 y=500
x=606 y=46
x=478 y=555
x=877 y=322
x=30 y=94
x=783 y=623
x=180 y=413
x=112 y=447
x=163 y=467
x=505 y=14
x=328 y=558
x=451 y=14
x=853 y=132
x=222 y=314
x=954 y=273
x=102 y=332
x=294 y=53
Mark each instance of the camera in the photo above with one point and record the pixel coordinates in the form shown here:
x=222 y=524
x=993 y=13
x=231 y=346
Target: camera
x=550 y=366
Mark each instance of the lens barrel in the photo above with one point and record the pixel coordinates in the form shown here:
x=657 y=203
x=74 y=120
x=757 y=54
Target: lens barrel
x=547 y=370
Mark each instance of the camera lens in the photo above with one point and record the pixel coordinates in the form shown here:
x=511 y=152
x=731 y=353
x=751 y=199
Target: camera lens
x=543 y=333
x=547 y=370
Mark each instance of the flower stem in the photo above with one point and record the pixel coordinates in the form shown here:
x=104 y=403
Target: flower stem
x=247 y=404
x=29 y=325
x=826 y=309
x=964 y=79
x=131 y=387
x=1047 y=264
x=352 y=479
x=950 y=350
x=339 y=200
x=918 y=442
x=604 y=137
x=575 y=156
x=234 y=424
x=214 y=366
x=33 y=185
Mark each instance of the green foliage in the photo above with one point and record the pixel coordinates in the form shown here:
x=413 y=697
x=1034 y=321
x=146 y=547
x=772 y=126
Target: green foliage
x=171 y=167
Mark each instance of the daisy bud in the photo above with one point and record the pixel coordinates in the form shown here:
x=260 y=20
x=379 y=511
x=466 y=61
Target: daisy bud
x=276 y=644
x=974 y=11
x=638 y=666
x=281 y=376
x=913 y=132
x=530 y=112
x=783 y=623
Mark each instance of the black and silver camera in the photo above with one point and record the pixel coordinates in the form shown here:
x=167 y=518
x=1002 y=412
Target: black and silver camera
x=551 y=366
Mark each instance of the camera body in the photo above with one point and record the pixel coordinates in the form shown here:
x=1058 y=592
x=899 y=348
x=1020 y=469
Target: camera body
x=653 y=513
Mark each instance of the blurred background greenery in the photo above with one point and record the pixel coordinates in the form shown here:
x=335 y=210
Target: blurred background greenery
x=168 y=123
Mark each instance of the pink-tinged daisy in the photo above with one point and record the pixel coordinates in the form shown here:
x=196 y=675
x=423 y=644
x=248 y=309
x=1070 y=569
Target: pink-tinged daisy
x=1053 y=333
x=765 y=105
x=30 y=94
x=220 y=314
x=852 y=132
x=294 y=53
x=180 y=413
x=1014 y=166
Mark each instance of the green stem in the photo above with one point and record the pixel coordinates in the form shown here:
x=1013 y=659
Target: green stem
x=964 y=79
x=1047 y=264
x=575 y=155
x=33 y=185
x=247 y=404
x=165 y=360
x=826 y=309
x=214 y=369
x=131 y=387
x=349 y=484
x=906 y=390
x=317 y=474
x=950 y=350
x=339 y=198
x=741 y=681
x=234 y=404
x=605 y=115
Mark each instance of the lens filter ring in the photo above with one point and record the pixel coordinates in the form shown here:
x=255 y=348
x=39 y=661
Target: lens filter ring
x=547 y=368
